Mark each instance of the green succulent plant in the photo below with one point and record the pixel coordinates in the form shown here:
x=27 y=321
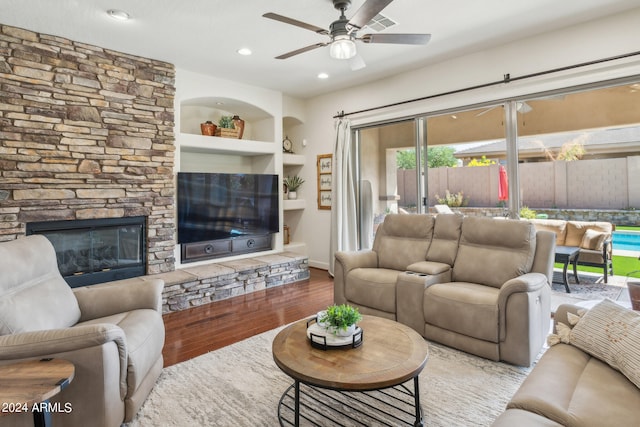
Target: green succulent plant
x=293 y=182
x=340 y=316
x=226 y=122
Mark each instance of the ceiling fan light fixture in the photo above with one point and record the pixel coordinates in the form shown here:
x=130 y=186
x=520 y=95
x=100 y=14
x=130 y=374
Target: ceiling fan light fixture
x=342 y=47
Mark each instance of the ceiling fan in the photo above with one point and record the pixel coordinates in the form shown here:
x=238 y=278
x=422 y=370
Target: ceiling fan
x=343 y=32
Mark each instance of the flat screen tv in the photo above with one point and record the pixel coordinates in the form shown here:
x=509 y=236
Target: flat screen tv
x=214 y=206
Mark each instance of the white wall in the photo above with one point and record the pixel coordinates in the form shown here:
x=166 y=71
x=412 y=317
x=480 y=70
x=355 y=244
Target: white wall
x=603 y=38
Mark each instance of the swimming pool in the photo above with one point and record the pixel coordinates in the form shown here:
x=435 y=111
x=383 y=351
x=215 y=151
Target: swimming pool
x=626 y=240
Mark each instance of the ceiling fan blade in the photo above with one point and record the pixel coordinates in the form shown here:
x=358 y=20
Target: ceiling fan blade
x=295 y=22
x=397 y=38
x=301 y=50
x=367 y=11
x=357 y=63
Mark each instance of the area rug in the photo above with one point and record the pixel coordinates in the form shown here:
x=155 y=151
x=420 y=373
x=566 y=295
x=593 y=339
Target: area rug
x=240 y=385
x=591 y=287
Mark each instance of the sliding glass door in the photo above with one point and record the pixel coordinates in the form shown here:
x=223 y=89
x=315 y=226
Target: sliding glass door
x=576 y=148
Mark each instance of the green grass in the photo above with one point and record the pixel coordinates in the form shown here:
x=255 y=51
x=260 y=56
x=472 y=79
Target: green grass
x=622 y=266
x=627 y=228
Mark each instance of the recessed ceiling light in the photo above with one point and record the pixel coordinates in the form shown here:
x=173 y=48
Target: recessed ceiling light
x=119 y=15
x=323 y=76
x=245 y=51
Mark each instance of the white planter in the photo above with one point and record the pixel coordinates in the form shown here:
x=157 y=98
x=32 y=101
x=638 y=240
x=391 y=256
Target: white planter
x=341 y=332
x=292 y=195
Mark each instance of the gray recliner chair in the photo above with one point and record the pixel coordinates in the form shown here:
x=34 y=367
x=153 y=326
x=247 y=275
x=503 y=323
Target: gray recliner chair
x=113 y=333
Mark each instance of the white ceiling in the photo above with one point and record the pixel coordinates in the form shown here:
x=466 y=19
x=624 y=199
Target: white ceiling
x=204 y=35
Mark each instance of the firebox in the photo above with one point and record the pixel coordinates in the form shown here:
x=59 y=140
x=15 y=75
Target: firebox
x=96 y=250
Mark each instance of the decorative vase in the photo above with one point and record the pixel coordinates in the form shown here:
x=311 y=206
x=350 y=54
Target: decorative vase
x=319 y=316
x=239 y=124
x=293 y=195
x=208 y=128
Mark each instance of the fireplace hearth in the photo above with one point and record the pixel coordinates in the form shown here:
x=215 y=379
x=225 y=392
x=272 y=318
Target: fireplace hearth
x=96 y=250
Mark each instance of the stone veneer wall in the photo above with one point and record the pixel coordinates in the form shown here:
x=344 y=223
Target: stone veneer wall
x=85 y=132
x=194 y=286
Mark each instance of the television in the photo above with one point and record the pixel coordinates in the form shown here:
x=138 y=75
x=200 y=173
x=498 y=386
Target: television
x=214 y=206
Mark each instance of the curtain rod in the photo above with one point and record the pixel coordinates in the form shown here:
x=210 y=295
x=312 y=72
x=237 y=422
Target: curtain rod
x=506 y=79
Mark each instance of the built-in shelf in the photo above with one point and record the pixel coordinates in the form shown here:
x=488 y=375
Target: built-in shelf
x=292 y=205
x=219 y=145
x=289 y=159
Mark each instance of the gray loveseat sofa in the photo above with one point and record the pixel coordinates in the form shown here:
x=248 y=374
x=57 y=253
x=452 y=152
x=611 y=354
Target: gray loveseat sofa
x=113 y=333
x=481 y=285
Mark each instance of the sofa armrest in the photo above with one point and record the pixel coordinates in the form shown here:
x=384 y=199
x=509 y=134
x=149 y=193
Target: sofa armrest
x=529 y=282
x=345 y=262
x=561 y=315
x=357 y=259
x=38 y=344
x=109 y=298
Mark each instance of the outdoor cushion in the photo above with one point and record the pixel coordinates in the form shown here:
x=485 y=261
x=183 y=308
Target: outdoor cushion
x=577 y=229
x=593 y=240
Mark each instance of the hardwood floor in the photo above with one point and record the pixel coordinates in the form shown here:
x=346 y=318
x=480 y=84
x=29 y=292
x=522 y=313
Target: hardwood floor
x=190 y=333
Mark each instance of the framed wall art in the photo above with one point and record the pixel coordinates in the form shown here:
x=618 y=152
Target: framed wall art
x=325 y=170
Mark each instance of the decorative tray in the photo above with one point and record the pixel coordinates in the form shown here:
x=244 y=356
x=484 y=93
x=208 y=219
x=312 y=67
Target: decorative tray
x=322 y=339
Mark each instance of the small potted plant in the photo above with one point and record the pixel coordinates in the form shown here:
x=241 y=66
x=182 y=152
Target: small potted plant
x=226 y=127
x=293 y=183
x=340 y=319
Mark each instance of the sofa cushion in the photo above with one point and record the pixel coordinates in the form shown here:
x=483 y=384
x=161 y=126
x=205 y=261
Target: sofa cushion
x=33 y=294
x=576 y=230
x=557 y=226
x=587 y=255
x=402 y=240
x=611 y=333
x=465 y=308
x=593 y=240
x=493 y=251
x=573 y=389
x=373 y=287
x=446 y=235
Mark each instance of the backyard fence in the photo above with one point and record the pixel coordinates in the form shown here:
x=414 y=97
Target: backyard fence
x=583 y=184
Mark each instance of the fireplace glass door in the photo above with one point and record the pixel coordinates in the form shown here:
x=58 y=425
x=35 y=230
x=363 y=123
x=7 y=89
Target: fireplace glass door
x=98 y=250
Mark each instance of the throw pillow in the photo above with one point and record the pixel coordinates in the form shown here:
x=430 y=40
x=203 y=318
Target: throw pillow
x=611 y=333
x=593 y=240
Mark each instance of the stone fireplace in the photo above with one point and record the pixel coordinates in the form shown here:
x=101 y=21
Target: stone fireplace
x=86 y=133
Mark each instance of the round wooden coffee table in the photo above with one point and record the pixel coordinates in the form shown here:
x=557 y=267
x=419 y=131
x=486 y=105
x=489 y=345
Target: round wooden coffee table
x=390 y=355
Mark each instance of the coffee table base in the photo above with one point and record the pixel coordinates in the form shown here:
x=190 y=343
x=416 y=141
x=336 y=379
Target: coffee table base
x=305 y=405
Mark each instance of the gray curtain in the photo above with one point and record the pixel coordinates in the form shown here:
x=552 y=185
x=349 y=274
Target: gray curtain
x=344 y=221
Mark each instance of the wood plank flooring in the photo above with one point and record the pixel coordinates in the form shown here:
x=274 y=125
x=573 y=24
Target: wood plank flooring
x=190 y=333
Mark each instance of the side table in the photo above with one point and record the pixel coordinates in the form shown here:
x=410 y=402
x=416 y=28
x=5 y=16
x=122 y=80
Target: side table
x=27 y=387
x=566 y=255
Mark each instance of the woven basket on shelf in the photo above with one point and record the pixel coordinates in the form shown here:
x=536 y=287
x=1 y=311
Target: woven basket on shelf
x=227 y=133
